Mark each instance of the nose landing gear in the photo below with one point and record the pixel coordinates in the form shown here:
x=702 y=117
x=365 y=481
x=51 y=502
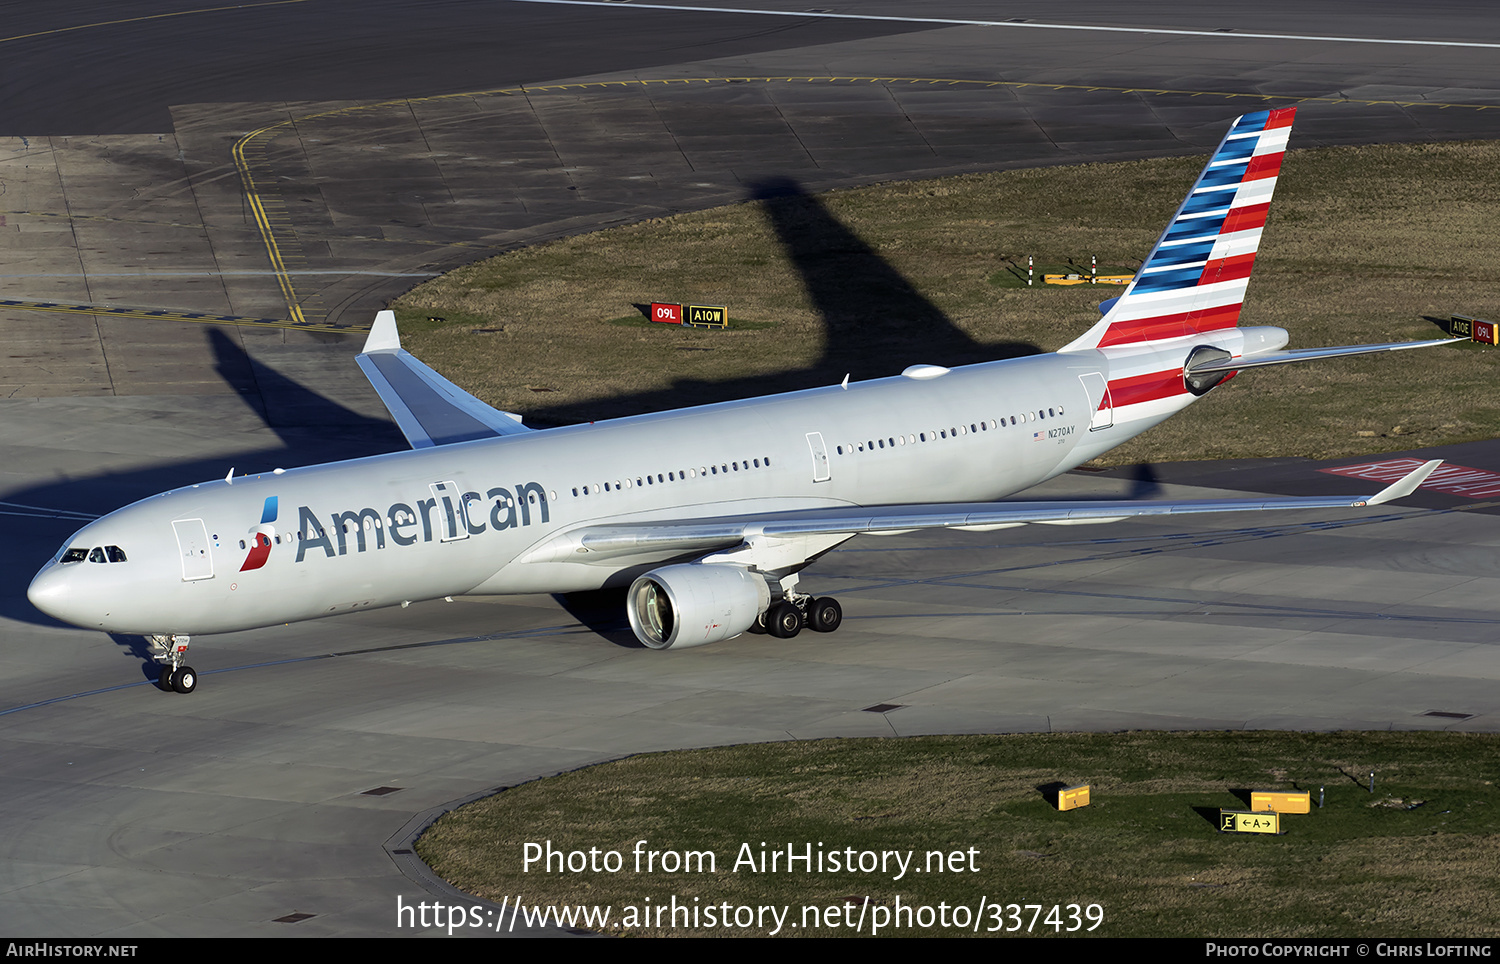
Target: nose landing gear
x=175 y=675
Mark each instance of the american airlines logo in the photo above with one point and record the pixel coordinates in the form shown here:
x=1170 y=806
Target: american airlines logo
x=449 y=516
x=260 y=546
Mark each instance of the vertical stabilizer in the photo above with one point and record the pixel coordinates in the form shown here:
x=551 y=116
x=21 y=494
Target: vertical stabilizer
x=1194 y=280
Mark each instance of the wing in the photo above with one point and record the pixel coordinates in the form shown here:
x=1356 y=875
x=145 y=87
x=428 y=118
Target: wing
x=429 y=409
x=787 y=540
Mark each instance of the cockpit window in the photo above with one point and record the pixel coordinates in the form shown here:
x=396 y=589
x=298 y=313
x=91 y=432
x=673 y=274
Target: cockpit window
x=75 y=555
x=115 y=553
x=96 y=555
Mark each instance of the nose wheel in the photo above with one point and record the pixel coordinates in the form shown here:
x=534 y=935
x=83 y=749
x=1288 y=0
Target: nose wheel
x=183 y=680
x=176 y=676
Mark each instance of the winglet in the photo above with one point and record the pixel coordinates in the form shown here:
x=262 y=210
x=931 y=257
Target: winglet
x=1405 y=486
x=429 y=409
x=383 y=334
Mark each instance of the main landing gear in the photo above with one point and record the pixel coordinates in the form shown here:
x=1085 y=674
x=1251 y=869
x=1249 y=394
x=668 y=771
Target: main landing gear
x=175 y=675
x=786 y=618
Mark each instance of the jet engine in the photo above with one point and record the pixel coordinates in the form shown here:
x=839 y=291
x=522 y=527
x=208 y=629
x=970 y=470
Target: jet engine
x=694 y=603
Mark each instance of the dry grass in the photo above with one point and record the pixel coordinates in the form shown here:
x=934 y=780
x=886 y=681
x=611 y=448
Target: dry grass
x=1362 y=243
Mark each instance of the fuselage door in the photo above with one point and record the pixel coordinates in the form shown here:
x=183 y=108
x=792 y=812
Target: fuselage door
x=192 y=547
x=819 y=456
x=452 y=512
x=1097 y=387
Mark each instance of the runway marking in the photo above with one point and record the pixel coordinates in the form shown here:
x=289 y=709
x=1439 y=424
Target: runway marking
x=263 y=222
x=43 y=512
x=154 y=16
x=1454 y=479
x=165 y=314
x=569 y=630
x=957 y=22
x=251 y=148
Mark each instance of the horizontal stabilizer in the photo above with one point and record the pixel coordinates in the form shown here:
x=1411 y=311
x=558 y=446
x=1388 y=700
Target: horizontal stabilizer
x=1211 y=366
x=429 y=409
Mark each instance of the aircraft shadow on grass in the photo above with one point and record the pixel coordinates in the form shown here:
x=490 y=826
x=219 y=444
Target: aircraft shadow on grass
x=876 y=323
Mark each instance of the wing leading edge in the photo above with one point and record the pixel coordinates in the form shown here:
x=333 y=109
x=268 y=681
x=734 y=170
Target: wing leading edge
x=611 y=541
x=429 y=409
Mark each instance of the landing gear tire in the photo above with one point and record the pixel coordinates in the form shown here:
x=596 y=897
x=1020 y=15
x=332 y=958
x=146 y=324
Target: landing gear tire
x=172 y=654
x=758 y=628
x=825 y=615
x=784 y=620
x=184 y=679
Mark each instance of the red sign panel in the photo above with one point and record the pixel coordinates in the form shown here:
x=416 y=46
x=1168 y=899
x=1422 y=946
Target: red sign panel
x=666 y=314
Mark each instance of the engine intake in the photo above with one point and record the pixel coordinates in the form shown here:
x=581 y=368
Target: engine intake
x=691 y=604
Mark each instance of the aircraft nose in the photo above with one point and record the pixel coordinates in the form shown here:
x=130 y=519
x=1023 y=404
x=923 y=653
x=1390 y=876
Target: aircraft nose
x=52 y=593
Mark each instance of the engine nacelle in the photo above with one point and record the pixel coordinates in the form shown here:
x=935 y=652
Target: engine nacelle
x=692 y=604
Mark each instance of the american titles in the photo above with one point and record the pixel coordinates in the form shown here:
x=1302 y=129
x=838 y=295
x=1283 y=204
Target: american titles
x=449 y=516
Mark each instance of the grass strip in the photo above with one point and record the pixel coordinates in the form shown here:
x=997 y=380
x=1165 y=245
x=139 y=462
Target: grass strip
x=1418 y=857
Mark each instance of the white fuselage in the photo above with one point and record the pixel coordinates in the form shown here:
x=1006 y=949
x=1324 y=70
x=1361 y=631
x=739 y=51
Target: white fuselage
x=460 y=518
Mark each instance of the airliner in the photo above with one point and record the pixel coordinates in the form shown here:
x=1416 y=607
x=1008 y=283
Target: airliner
x=708 y=515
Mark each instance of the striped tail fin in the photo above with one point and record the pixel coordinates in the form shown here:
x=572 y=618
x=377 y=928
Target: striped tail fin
x=1194 y=279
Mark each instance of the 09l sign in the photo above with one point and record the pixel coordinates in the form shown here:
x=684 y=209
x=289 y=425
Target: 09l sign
x=666 y=314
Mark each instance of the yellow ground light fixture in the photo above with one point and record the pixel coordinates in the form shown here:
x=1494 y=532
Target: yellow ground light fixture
x=1071 y=798
x=1081 y=279
x=1280 y=802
